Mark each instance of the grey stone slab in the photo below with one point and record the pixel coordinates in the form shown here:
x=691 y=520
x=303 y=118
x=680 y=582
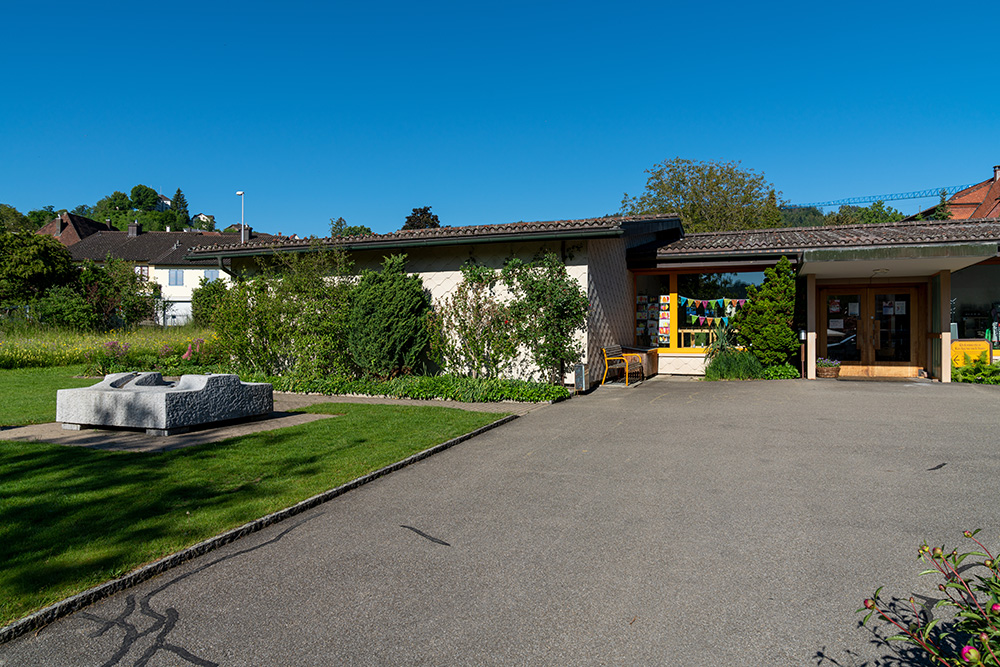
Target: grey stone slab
x=147 y=401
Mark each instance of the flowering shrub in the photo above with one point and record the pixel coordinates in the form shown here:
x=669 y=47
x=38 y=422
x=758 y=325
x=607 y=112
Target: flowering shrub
x=477 y=339
x=827 y=363
x=972 y=635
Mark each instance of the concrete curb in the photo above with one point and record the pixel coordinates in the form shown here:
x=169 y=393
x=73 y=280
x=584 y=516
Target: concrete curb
x=47 y=615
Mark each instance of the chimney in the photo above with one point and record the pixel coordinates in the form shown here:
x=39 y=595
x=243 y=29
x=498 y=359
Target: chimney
x=168 y=228
x=134 y=228
x=996 y=172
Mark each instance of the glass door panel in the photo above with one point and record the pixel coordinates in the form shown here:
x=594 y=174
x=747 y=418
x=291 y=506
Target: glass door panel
x=842 y=314
x=891 y=327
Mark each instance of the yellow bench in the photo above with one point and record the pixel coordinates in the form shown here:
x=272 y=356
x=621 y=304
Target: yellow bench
x=631 y=363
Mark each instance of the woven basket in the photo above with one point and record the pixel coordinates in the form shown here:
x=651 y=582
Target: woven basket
x=828 y=371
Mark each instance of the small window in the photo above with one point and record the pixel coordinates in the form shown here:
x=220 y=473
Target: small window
x=176 y=277
x=142 y=271
x=211 y=275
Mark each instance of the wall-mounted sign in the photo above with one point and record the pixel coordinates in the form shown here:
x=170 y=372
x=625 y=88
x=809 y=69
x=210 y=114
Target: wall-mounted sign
x=974 y=347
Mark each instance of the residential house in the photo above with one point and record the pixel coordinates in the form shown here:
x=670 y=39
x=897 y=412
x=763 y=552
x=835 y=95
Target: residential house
x=69 y=229
x=978 y=201
x=162 y=258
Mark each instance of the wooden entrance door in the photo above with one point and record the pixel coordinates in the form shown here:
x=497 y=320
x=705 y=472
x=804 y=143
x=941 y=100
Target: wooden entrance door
x=872 y=331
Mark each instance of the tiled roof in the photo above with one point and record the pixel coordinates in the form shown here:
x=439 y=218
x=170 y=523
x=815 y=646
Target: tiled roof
x=978 y=201
x=795 y=239
x=150 y=247
x=69 y=229
x=582 y=227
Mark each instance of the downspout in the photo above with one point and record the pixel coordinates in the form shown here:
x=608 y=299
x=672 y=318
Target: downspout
x=223 y=268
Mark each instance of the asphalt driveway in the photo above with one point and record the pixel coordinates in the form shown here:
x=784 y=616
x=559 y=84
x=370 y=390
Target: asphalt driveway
x=675 y=523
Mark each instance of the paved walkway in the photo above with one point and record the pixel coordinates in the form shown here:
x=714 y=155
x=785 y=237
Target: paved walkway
x=674 y=523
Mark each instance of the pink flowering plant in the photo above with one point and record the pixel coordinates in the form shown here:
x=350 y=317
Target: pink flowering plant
x=970 y=636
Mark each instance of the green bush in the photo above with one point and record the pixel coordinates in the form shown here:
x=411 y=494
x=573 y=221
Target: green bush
x=783 y=372
x=389 y=333
x=979 y=371
x=206 y=300
x=765 y=322
x=253 y=335
x=734 y=365
x=64 y=307
x=120 y=297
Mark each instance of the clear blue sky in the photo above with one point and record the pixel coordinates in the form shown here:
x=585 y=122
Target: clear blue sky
x=488 y=112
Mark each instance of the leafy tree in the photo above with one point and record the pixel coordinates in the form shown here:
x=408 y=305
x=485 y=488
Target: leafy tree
x=878 y=212
x=180 y=206
x=83 y=210
x=121 y=297
x=389 y=333
x=548 y=308
x=764 y=324
x=116 y=202
x=422 y=218
x=144 y=198
x=943 y=211
x=863 y=215
x=802 y=217
x=339 y=227
x=40 y=216
x=12 y=220
x=709 y=196
x=30 y=264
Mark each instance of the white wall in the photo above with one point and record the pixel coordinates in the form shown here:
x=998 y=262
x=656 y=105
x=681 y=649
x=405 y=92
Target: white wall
x=180 y=295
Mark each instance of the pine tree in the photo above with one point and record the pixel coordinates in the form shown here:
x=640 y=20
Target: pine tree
x=764 y=324
x=943 y=211
x=180 y=206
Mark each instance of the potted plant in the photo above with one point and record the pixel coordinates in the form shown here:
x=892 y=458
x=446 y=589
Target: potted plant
x=827 y=368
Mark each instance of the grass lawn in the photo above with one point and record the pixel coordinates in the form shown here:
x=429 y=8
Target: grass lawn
x=28 y=395
x=71 y=518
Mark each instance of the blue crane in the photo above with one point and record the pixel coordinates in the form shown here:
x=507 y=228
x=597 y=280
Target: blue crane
x=916 y=194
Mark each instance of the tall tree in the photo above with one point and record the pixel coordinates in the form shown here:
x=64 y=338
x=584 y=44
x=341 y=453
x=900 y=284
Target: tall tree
x=422 y=218
x=943 y=211
x=29 y=265
x=709 y=196
x=12 y=220
x=144 y=198
x=116 y=202
x=84 y=210
x=40 y=216
x=180 y=206
x=339 y=227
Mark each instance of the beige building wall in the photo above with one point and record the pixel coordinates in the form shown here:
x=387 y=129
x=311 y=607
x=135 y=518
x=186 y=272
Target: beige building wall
x=611 y=319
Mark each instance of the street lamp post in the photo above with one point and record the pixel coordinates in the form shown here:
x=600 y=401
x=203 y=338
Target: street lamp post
x=243 y=226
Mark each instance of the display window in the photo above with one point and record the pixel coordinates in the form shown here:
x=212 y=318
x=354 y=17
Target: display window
x=975 y=303
x=681 y=311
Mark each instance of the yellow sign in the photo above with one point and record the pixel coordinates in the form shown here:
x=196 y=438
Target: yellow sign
x=973 y=347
